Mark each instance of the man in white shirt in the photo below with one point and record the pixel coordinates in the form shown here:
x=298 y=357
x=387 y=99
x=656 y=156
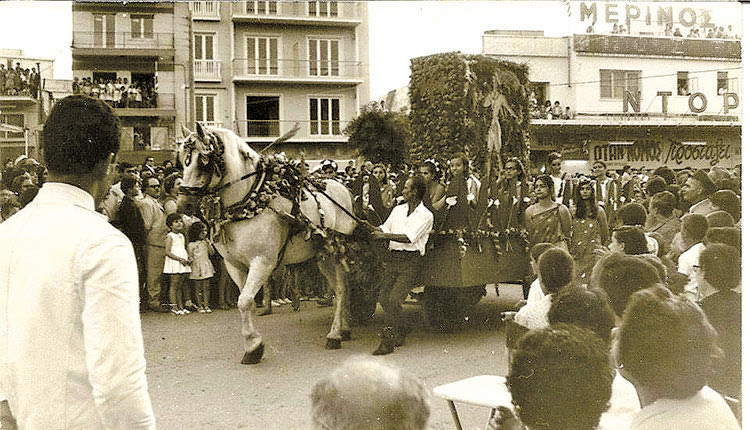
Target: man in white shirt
x=693 y=230
x=563 y=182
x=407 y=230
x=71 y=349
x=108 y=206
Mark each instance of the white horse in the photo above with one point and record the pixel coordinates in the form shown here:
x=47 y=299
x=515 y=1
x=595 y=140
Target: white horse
x=217 y=162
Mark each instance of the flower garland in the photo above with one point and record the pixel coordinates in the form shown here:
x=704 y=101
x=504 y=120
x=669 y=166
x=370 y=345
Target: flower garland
x=502 y=240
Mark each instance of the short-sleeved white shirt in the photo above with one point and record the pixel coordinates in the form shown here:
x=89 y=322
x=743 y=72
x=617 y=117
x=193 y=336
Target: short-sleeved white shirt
x=416 y=226
x=706 y=410
x=688 y=264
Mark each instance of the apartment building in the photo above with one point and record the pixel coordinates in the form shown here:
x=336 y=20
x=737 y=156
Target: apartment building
x=21 y=114
x=639 y=99
x=142 y=49
x=260 y=67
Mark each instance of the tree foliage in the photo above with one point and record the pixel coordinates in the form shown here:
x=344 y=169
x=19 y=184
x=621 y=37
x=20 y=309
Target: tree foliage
x=380 y=136
x=448 y=116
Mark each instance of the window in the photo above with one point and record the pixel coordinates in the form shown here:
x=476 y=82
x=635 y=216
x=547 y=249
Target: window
x=204 y=108
x=322 y=8
x=14 y=119
x=614 y=83
x=142 y=26
x=262 y=56
x=683 y=84
x=104 y=30
x=204 y=46
x=262 y=116
x=141 y=137
x=722 y=82
x=267 y=7
x=324 y=57
x=325 y=116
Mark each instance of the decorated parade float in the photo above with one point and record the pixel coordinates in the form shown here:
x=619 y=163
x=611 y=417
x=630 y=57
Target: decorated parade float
x=476 y=106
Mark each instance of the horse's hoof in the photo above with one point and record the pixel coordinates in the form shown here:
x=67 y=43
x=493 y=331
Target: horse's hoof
x=333 y=343
x=346 y=335
x=254 y=356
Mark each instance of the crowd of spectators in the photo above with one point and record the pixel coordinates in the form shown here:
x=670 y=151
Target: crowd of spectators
x=658 y=283
x=548 y=110
x=19 y=81
x=117 y=93
x=669 y=30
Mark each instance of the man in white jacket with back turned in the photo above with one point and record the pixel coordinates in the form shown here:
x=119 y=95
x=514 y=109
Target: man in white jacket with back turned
x=71 y=349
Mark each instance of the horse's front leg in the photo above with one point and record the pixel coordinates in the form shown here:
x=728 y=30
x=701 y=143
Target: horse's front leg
x=259 y=270
x=335 y=274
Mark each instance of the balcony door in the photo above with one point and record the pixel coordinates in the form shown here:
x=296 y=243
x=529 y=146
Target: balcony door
x=262 y=116
x=262 y=56
x=323 y=55
x=104 y=30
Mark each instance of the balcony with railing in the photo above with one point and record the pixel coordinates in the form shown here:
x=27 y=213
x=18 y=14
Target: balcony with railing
x=326 y=13
x=205 y=10
x=619 y=44
x=207 y=70
x=325 y=130
x=122 y=44
x=215 y=124
x=304 y=71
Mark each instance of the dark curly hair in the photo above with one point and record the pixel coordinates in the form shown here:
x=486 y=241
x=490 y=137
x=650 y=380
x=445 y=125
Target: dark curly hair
x=585 y=208
x=586 y=308
x=79 y=133
x=666 y=344
x=561 y=378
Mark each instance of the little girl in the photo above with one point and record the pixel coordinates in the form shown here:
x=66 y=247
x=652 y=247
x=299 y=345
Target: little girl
x=198 y=251
x=176 y=263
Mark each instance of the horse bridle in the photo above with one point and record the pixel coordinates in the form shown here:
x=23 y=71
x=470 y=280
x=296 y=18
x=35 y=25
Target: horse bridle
x=214 y=163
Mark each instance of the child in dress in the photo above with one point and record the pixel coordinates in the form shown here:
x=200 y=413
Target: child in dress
x=176 y=264
x=202 y=270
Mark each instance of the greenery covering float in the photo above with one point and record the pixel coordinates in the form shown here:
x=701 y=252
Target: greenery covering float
x=455 y=97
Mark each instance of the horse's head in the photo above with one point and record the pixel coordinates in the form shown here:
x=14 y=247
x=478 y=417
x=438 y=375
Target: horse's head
x=201 y=154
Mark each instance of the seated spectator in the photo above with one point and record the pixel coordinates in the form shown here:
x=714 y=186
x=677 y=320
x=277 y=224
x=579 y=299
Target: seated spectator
x=666 y=348
x=364 y=393
x=535 y=289
x=721 y=268
x=725 y=200
x=677 y=32
x=557 y=110
x=720 y=219
x=556 y=270
x=629 y=240
x=560 y=378
x=693 y=230
x=568 y=114
x=590 y=308
x=727 y=235
x=621 y=275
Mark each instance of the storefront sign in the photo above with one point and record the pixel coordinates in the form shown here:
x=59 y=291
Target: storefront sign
x=653 y=153
x=651 y=17
x=697 y=102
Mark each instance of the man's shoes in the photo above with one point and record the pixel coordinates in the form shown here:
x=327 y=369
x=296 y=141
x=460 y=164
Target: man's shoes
x=387 y=341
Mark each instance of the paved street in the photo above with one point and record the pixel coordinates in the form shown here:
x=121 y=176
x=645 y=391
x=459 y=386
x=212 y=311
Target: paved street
x=197 y=382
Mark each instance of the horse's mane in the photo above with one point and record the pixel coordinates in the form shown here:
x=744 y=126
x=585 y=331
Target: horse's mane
x=230 y=139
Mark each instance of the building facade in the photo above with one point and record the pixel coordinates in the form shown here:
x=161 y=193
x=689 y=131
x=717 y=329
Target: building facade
x=136 y=57
x=642 y=100
x=260 y=67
